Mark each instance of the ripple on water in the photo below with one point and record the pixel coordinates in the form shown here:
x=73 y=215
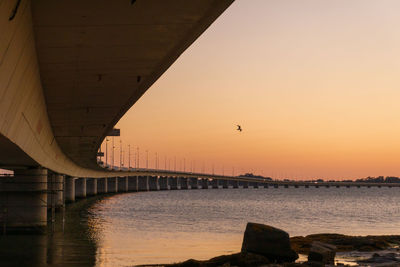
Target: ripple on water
x=169 y=226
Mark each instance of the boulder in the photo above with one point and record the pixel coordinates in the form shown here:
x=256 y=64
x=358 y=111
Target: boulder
x=384 y=259
x=322 y=252
x=268 y=241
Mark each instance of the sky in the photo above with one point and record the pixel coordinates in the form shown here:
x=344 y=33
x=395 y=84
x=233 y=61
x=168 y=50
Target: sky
x=314 y=85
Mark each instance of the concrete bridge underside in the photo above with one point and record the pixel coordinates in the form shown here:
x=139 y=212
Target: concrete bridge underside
x=70 y=69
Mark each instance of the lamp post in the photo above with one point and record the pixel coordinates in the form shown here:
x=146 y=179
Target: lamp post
x=129 y=157
x=138 y=158
x=175 y=163
x=147 y=159
x=120 y=154
x=106 y=152
x=113 y=152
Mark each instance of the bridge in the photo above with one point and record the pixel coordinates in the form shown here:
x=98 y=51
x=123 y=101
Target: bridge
x=69 y=70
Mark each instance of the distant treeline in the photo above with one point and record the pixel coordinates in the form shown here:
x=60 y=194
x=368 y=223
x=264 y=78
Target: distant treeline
x=379 y=179
x=250 y=175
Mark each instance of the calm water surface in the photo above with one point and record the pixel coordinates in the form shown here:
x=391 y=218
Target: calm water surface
x=169 y=226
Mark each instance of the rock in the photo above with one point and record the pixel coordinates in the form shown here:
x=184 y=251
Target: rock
x=344 y=243
x=322 y=252
x=384 y=259
x=268 y=241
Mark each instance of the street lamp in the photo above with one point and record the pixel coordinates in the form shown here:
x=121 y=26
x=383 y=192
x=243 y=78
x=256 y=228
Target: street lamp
x=106 y=151
x=113 y=152
x=175 y=163
x=120 y=154
x=138 y=158
x=147 y=159
x=129 y=157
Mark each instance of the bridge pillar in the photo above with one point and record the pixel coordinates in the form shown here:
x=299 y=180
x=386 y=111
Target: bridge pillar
x=253 y=184
x=143 y=183
x=80 y=188
x=223 y=183
x=234 y=184
x=173 y=183
x=183 y=182
x=122 y=184
x=23 y=200
x=153 y=183
x=132 y=183
x=286 y=186
x=55 y=185
x=194 y=183
x=306 y=186
x=265 y=185
x=91 y=186
x=163 y=183
x=214 y=184
x=102 y=186
x=69 y=189
x=112 y=185
x=204 y=183
x=244 y=184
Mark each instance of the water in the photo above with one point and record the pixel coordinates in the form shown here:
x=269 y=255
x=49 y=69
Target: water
x=170 y=226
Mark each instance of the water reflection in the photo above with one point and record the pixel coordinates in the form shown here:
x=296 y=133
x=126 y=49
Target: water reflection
x=76 y=246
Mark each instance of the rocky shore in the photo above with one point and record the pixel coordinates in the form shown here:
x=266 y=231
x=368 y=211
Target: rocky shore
x=265 y=245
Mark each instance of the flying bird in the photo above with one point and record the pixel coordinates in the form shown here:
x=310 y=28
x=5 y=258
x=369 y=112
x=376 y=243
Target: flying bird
x=239 y=128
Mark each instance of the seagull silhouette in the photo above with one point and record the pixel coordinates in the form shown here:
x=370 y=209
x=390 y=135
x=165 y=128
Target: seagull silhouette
x=239 y=128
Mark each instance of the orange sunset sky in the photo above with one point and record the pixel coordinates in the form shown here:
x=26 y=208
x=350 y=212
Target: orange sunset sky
x=314 y=84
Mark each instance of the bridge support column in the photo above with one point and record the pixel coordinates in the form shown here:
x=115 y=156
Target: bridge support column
x=214 y=184
x=204 y=183
x=244 y=184
x=69 y=189
x=143 y=183
x=223 y=183
x=91 y=186
x=253 y=184
x=265 y=185
x=153 y=183
x=55 y=193
x=23 y=200
x=132 y=184
x=80 y=188
x=102 y=187
x=194 y=183
x=122 y=184
x=183 y=182
x=233 y=183
x=112 y=185
x=173 y=183
x=163 y=183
